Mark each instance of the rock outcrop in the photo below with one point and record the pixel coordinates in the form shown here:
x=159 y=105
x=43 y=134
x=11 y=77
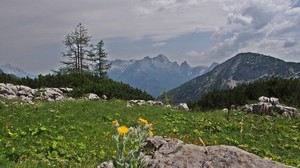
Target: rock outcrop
x=183 y=106
x=271 y=106
x=173 y=153
x=143 y=102
x=29 y=95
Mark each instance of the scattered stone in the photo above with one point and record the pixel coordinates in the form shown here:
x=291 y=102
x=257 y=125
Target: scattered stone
x=93 y=96
x=104 y=97
x=225 y=109
x=183 y=106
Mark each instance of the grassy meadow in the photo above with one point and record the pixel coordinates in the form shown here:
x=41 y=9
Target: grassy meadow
x=79 y=133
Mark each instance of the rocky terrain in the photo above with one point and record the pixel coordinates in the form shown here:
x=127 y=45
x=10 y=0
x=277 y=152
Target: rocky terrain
x=29 y=95
x=271 y=106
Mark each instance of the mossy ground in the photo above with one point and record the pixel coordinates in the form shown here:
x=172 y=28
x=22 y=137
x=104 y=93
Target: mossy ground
x=79 y=133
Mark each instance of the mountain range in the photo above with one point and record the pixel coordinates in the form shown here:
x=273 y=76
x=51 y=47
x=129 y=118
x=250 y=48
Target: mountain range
x=244 y=67
x=158 y=74
x=155 y=75
x=9 y=69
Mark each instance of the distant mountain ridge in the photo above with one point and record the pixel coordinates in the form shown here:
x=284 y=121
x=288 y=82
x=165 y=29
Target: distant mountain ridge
x=154 y=75
x=9 y=69
x=244 y=67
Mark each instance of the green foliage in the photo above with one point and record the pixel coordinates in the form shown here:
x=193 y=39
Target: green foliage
x=81 y=56
x=129 y=142
x=77 y=46
x=79 y=133
x=99 y=58
x=82 y=84
x=287 y=90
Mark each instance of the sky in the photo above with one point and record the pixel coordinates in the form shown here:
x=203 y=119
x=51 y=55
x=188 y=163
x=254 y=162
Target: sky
x=197 y=31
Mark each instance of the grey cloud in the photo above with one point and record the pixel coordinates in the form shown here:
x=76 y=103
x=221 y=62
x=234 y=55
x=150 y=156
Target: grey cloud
x=289 y=43
x=260 y=16
x=33 y=27
x=295 y=3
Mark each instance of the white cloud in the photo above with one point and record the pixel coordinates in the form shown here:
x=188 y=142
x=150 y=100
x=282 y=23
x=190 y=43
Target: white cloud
x=159 y=44
x=258 y=26
x=193 y=53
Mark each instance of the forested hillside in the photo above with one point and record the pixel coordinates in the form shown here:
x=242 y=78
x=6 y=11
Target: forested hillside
x=287 y=90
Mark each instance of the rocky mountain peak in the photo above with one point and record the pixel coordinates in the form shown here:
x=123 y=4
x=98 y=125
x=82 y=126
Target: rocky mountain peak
x=244 y=67
x=161 y=58
x=185 y=65
x=155 y=75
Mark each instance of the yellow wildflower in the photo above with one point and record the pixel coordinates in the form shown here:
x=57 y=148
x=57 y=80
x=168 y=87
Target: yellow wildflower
x=150 y=133
x=143 y=121
x=123 y=130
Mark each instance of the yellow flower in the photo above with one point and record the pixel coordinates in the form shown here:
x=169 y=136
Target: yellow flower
x=143 y=121
x=114 y=122
x=123 y=130
x=150 y=133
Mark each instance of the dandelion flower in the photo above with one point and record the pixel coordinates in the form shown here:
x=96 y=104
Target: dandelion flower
x=123 y=130
x=143 y=121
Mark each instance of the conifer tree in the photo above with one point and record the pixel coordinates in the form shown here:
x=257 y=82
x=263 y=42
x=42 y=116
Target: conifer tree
x=99 y=60
x=77 y=46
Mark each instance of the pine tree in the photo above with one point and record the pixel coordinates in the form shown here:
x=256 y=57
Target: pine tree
x=77 y=46
x=99 y=60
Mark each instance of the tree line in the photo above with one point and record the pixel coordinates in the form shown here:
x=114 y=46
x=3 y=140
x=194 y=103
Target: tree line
x=81 y=84
x=287 y=90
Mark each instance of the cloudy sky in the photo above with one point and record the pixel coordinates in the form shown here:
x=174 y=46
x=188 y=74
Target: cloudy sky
x=198 y=31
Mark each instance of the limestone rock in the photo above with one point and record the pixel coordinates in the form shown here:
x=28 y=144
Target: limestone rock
x=104 y=97
x=93 y=96
x=27 y=94
x=172 y=153
x=183 y=106
x=271 y=106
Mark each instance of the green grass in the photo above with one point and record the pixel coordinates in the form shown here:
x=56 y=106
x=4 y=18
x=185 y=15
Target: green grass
x=79 y=133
